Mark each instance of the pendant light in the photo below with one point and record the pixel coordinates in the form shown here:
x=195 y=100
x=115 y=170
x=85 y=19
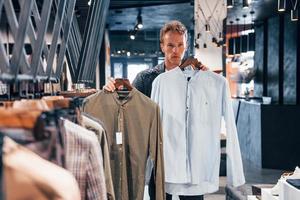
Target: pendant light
x=229 y=3
x=281 y=5
x=294 y=14
x=207 y=27
x=245 y=4
x=295 y=11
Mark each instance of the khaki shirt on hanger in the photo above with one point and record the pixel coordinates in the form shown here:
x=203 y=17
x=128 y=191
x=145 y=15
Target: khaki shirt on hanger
x=134 y=132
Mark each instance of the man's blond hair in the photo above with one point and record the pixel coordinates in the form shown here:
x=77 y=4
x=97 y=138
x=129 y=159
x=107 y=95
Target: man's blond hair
x=173 y=26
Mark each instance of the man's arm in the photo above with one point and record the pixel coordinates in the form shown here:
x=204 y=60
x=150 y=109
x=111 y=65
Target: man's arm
x=138 y=82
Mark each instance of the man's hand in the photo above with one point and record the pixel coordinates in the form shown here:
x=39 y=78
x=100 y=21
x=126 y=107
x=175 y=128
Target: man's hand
x=195 y=63
x=110 y=85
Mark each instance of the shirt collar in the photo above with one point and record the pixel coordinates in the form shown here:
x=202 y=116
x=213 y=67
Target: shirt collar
x=125 y=100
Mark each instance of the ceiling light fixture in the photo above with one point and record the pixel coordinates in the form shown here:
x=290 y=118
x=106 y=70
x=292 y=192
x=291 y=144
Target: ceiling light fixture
x=132 y=34
x=294 y=11
x=229 y=3
x=90 y=2
x=294 y=15
x=245 y=4
x=281 y=5
x=139 y=21
x=207 y=28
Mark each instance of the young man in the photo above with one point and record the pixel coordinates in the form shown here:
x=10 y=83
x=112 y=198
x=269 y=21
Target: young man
x=173 y=43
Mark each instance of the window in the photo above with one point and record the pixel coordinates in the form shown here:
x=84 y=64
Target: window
x=134 y=69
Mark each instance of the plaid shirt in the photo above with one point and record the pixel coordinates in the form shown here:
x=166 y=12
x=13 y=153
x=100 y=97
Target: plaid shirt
x=84 y=160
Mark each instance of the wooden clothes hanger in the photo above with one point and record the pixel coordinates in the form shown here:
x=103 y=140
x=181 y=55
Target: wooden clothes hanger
x=18 y=118
x=124 y=82
x=191 y=61
x=25 y=104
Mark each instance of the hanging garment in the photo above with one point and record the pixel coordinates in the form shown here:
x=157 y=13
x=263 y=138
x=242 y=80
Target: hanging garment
x=192 y=105
x=84 y=160
x=94 y=125
x=28 y=176
x=1 y=167
x=133 y=132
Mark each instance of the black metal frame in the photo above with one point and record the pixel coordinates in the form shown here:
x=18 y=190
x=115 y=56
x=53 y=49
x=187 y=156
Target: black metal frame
x=32 y=22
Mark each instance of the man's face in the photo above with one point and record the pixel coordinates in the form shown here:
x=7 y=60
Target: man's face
x=173 y=46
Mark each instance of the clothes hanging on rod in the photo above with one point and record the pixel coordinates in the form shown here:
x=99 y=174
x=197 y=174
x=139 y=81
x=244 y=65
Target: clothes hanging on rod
x=97 y=127
x=28 y=176
x=84 y=160
x=53 y=135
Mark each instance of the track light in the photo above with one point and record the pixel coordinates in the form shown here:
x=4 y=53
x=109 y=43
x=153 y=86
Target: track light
x=245 y=4
x=281 y=5
x=229 y=3
x=294 y=14
x=139 y=22
x=132 y=34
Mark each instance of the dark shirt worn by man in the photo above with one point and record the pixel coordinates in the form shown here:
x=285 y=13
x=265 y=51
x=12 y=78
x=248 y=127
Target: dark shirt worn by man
x=143 y=80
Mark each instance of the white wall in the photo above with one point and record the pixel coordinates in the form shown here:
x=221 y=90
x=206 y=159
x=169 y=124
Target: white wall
x=212 y=12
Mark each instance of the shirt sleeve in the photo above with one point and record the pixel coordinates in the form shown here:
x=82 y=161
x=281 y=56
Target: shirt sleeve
x=156 y=154
x=138 y=82
x=155 y=90
x=235 y=173
x=96 y=188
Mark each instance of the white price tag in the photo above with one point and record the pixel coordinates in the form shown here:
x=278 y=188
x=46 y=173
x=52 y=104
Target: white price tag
x=119 y=139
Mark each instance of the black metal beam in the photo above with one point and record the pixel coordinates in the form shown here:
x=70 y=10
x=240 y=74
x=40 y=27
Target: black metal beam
x=120 y=4
x=24 y=19
x=55 y=33
x=66 y=30
x=92 y=40
x=4 y=66
x=14 y=26
x=42 y=26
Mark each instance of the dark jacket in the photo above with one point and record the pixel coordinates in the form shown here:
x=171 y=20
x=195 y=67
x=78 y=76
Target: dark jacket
x=143 y=80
